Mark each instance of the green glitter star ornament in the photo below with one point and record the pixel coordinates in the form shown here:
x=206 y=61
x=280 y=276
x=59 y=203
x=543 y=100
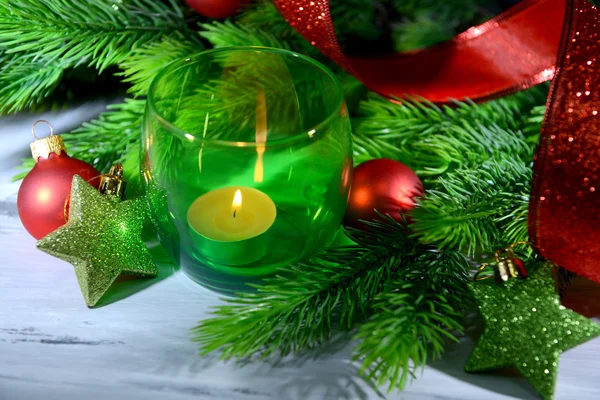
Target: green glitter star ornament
x=102 y=239
x=526 y=327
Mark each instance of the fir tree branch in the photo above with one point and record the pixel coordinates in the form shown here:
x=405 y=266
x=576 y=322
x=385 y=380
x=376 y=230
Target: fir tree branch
x=26 y=84
x=413 y=318
x=476 y=208
x=290 y=314
x=105 y=141
x=475 y=161
x=97 y=32
x=39 y=40
x=264 y=15
x=513 y=224
x=434 y=140
x=144 y=63
x=260 y=25
x=304 y=304
x=228 y=33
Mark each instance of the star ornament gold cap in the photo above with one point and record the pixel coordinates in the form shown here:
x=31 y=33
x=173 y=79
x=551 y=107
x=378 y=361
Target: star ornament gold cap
x=113 y=182
x=46 y=146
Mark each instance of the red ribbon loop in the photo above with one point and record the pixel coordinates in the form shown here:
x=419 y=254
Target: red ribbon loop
x=511 y=52
x=514 y=51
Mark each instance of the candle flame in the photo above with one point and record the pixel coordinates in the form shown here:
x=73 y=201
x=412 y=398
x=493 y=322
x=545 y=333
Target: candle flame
x=237 y=202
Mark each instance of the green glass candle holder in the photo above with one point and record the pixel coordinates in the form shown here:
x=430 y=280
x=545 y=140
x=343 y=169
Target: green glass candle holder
x=247 y=162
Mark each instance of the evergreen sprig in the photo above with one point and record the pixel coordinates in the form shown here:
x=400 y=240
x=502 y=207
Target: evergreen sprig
x=142 y=65
x=96 y=32
x=260 y=25
x=434 y=140
x=305 y=304
x=412 y=320
x=25 y=85
x=107 y=139
x=264 y=15
x=228 y=34
x=39 y=40
x=475 y=161
x=476 y=208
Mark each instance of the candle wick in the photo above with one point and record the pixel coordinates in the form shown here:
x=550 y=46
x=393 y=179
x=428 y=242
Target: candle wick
x=234 y=211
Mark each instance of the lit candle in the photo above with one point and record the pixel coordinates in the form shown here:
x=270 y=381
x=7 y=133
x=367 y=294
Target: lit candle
x=230 y=223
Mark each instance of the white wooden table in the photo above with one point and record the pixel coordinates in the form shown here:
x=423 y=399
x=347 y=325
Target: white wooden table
x=53 y=347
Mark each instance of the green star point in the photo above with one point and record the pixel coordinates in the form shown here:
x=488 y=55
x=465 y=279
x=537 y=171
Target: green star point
x=102 y=239
x=526 y=327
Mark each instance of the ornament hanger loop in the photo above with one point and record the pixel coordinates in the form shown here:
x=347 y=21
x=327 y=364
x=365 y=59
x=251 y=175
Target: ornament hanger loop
x=522 y=242
x=477 y=278
x=45 y=122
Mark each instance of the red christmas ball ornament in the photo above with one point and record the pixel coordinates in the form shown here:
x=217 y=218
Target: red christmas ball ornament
x=43 y=192
x=385 y=185
x=216 y=8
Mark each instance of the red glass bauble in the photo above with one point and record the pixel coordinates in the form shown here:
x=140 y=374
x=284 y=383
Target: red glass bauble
x=43 y=192
x=387 y=186
x=216 y=8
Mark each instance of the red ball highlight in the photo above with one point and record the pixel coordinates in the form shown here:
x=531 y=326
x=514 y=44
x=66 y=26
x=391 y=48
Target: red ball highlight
x=385 y=185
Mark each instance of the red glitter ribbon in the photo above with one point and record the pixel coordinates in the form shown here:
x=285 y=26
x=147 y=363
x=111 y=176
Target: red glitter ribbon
x=564 y=210
x=511 y=52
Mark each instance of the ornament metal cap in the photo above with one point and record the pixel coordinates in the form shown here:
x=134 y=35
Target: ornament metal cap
x=505 y=267
x=45 y=146
x=113 y=183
